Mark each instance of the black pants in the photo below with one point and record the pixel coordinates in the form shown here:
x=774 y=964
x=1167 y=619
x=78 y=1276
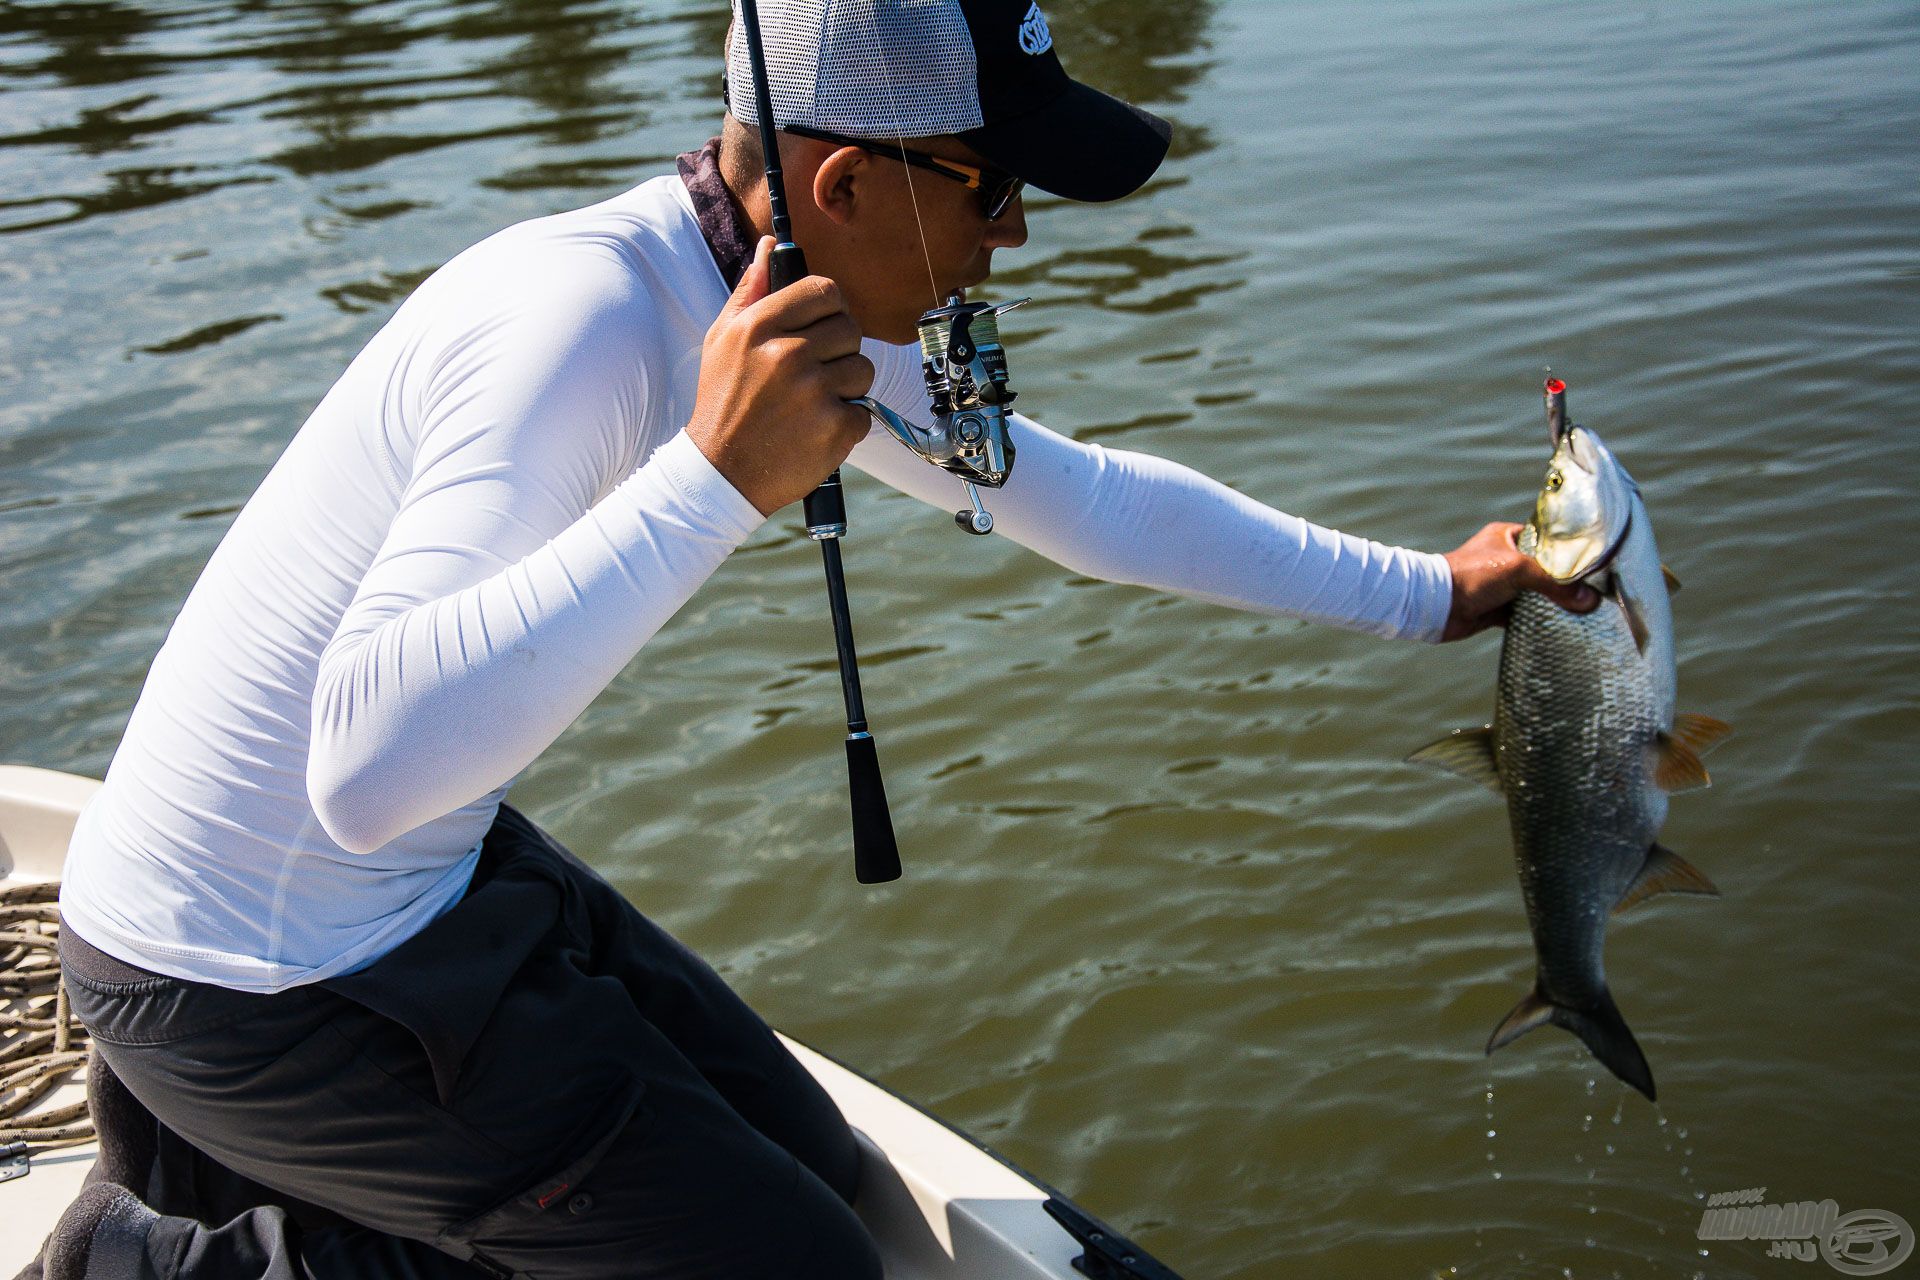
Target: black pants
x=541 y=1083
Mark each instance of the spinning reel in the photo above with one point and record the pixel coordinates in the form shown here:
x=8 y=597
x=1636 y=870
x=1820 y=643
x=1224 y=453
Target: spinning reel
x=965 y=368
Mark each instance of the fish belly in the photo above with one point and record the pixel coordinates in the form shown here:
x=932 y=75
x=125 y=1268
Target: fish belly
x=1575 y=722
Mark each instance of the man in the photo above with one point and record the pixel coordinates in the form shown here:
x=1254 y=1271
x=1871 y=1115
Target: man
x=387 y=1026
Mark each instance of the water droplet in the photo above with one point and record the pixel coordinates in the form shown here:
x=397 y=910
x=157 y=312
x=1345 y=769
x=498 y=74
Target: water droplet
x=1578 y=1158
x=1699 y=1195
x=1593 y=1208
x=1683 y=1171
x=1590 y=1084
x=1490 y=1132
x=1681 y=1132
x=1489 y=1155
x=1609 y=1148
x=1496 y=1175
x=1590 y=1242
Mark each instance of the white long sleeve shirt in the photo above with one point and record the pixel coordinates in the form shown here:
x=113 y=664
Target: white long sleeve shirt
x=480 y=525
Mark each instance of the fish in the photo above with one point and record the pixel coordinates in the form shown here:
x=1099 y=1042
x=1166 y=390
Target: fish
x=1585 y=745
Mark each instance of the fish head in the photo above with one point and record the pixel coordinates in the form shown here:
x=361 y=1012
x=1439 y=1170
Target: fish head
x=1584 y=509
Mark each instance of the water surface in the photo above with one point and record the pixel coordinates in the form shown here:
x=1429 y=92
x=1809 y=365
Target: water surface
x=1179 y=932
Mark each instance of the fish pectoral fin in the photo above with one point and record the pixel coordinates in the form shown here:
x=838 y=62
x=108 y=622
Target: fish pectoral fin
x=1702 y=733
x=1677 y=766
x=1636 y=617
x=1673 y=583
x=1665 y=872
x=1466 y=753
x=1534 y=1010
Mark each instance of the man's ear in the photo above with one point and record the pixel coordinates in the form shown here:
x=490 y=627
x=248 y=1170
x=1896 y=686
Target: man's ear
x=839 y=182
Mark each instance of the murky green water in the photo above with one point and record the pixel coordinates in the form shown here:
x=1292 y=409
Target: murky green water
x=1178 y=931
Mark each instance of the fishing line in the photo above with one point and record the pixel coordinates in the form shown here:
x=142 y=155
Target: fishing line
x=899 y=139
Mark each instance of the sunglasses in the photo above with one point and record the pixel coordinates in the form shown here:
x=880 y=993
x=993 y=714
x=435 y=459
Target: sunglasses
x=998 y=189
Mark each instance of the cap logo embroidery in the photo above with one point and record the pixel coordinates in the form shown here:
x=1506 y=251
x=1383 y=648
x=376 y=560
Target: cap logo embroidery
x=1035 y=37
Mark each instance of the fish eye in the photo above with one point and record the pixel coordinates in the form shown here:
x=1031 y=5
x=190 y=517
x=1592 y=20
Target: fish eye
x=1553 y=482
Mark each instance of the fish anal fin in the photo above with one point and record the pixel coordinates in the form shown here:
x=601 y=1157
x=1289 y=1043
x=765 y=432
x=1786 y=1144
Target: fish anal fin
x=1673 y=583
x=1702 y=733
x=1534 y=1010
x=1665 y=872
x=1676 y=766
x=1465 y=753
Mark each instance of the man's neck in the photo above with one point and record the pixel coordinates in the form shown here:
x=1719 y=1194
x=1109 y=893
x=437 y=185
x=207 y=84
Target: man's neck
x=748 y=194
x=730 y=224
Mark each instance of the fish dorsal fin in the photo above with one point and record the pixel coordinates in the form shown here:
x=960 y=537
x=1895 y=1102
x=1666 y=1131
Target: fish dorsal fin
x=1665 y=872
x=1702 y=733
x=1466 y=753
x=1676 y=765
x=1673 y=583
x=1534 y=1010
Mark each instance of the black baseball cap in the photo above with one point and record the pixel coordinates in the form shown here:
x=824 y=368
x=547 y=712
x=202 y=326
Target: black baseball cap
x=984 y=71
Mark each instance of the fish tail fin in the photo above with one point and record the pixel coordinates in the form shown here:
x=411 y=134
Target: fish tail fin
x=1605 y=1032
x=1534 y=1010
x=1599 y=1026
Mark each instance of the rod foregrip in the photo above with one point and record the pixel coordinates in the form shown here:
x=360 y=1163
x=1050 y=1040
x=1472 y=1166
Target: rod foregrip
x=787 y=266
x=876 y=857
x=826 y=509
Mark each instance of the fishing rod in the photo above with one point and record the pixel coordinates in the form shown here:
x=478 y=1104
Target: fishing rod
x=964 y=366
x=876 y=855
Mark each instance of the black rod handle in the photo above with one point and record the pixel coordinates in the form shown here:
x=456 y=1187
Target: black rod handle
x=876 y=854
x=876 y=857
